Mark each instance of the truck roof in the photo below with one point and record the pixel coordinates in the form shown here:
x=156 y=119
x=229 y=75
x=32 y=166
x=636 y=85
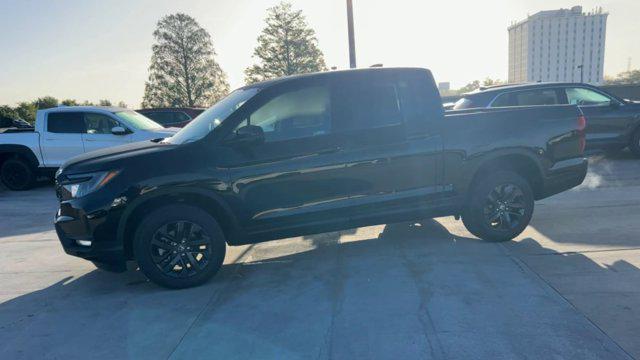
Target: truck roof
x=84 y=108
x=331 y=74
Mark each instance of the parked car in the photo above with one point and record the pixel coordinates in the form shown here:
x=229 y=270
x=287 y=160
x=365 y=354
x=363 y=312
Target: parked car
x=614 y=123
x=313 y=153
x=63 y=132
x=7 y=122
x=172 y=117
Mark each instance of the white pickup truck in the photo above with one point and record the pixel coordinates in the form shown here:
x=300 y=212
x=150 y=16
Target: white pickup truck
x=63 y=132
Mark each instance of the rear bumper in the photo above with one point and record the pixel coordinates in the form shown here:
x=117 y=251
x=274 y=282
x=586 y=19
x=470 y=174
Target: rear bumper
x=563 y=175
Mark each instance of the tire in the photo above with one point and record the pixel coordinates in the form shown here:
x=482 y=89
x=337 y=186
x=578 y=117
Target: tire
x=504 y=194
x=17 y=174
x=634 y=146
x=158 y=244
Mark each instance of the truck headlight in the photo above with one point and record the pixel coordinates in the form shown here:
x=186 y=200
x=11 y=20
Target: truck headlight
x=79 y=185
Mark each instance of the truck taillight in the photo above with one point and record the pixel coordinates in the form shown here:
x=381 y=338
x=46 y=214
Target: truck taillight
x=582 y=125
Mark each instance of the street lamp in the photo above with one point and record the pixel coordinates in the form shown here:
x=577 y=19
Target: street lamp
x=352 y=41
x=581 y=67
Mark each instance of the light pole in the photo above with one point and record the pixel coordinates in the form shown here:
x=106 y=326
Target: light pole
x=352 y=41
x=581 y=67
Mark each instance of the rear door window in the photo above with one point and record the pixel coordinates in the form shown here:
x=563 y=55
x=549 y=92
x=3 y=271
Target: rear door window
x=66 y=123
x=367 y=105
x=528 y=98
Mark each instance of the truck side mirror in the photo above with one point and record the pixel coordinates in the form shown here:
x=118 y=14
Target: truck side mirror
x=118 y=130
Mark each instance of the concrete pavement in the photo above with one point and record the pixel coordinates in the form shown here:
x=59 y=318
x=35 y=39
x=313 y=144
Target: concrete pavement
x=566 y=288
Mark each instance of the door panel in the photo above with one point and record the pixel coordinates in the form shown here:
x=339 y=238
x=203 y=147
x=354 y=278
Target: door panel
x=607 y=124
x=62 y=139
x=393 y=176
x=291 y=177
x=288 y=183
x=386 y=125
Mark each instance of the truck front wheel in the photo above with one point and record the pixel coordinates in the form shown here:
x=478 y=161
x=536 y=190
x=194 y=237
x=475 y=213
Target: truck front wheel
x=17 y=174
x=179 y=246
x=500 y=206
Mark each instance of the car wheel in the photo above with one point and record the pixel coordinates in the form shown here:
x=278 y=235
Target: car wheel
x=634 y=146
x=179 y=246
x=17 y=175
x=500 y=206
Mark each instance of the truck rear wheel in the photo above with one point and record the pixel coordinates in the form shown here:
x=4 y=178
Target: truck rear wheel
x=500 y=206
x=17 y=174
x=179 y=246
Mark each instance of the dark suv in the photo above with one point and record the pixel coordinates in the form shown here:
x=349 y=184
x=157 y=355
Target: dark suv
x=614 y=123
x=172 y=117
x=308 y=154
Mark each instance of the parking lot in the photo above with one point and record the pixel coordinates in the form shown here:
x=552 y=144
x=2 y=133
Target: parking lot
x=568 y=287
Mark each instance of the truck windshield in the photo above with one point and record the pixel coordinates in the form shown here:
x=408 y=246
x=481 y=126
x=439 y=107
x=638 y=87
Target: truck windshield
x=137 y=120
x=214 y=116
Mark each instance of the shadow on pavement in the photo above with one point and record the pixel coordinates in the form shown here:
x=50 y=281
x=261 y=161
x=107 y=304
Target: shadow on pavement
x=414 y=291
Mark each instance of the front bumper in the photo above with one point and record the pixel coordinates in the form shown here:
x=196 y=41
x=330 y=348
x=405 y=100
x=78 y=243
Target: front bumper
x=89 y=232
x=563 y=175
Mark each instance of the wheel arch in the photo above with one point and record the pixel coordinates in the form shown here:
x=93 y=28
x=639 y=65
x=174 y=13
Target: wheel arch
x=18 y=151
x=521 y=163
x=212 y=203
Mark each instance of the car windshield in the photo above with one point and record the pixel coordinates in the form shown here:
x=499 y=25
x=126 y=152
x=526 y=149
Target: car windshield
x=214 y=116
x=138 y=120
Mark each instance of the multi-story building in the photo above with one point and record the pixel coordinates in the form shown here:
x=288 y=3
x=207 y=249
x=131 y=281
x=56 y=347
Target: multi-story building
x=558 y=45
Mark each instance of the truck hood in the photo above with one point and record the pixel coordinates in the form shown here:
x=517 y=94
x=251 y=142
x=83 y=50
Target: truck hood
x=109 y=158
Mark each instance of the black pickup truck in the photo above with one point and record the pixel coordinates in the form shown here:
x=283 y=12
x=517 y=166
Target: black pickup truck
x=313 y=153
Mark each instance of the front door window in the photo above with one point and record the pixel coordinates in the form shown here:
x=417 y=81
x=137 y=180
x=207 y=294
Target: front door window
x=295 y=114
x=582 y=96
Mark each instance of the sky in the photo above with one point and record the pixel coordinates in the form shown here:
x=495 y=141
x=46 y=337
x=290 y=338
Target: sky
x=100 y=49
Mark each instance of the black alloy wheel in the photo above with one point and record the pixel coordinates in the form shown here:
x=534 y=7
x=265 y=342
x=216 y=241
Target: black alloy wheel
x=180 y=249
x=504 y=207
x=17 y=175
x=179 y=246
x=499 y=207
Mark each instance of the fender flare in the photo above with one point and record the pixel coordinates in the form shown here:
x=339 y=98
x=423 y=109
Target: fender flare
x=209 y=195
x=22 y=151
x=475 y=164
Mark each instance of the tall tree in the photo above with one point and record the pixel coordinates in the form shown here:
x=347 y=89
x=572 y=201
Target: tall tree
x=475 y=84
x=627 y=77
x=69 y=102
x=26 y=111
x=286 y=46
x=183 y=69
x=45 y=102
